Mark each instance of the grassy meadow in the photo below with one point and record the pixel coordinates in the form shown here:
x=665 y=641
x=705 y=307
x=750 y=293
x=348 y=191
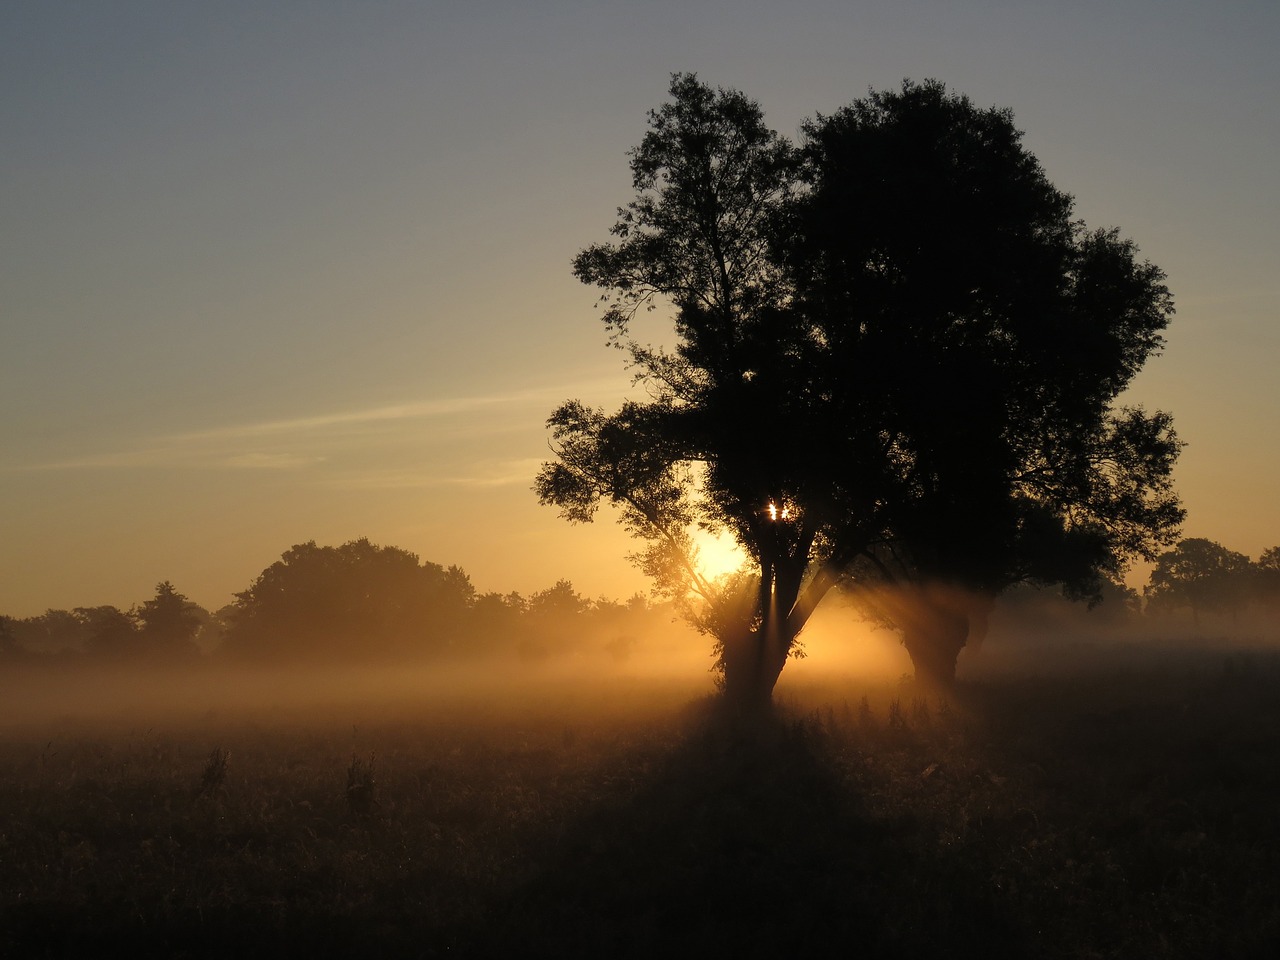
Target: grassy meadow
x=1129 y=812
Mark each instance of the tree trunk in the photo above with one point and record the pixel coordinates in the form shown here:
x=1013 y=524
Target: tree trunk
x=753 y=658
x=752 y=664
x=934 y=638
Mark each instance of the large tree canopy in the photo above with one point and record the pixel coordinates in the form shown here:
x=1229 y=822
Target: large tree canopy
x=896 y=364
x=356 y=600
x=983 y=334
x=1203 y=576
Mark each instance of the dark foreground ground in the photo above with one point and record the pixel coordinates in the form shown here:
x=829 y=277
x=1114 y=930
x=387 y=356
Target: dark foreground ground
x=1116 y=816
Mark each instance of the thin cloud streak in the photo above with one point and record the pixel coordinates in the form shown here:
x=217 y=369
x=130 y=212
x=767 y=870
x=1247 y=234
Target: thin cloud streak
x=231 y=447
x=504 y=474
x=403 y=411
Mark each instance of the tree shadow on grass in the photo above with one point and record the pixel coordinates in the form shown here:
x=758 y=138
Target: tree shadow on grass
x=736 y=841
x=748 y=842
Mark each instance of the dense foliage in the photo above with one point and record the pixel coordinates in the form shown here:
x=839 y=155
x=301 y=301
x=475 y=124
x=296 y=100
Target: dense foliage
x=358 y=597
x=358 y=601
x=163 y=628
x=897 y=360
x=1203 y=577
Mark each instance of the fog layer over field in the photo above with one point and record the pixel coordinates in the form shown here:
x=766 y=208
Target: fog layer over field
x=676 y=661
x=664 y=662
x=1083 y=792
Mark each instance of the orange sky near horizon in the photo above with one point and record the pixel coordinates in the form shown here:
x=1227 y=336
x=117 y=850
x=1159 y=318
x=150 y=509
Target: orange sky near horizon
x=271 y=275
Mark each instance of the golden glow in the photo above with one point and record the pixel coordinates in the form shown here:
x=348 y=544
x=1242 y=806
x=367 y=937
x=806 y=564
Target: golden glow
x=718 y=554
x=778 y=514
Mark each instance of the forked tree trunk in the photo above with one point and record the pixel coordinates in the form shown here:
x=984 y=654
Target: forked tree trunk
x=752 y=664
x=753 y=658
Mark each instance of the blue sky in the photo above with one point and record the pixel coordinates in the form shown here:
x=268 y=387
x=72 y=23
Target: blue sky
x=272 y=272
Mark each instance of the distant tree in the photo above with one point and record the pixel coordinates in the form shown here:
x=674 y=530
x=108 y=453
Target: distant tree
x=555 y=622
x=169 y=622
x=1200 y=575
x=561 y=601
x=216 y=630
x=52 y=632
x=358 y=599
x=495 y=621
x=111 y=633
x=1267 y=574
x=1118 y=602
x=896 y=363
x=1029 y=611
x=8 y=638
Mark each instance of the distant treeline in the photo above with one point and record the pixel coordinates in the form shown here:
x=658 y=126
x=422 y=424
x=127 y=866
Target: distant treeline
x=1198 y=589
x=361 y=601
x=353 y=602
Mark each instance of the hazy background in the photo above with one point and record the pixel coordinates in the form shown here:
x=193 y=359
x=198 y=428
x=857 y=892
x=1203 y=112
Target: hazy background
x=274 y=272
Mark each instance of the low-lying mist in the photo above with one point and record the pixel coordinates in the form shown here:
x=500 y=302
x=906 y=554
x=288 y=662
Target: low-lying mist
x=656 y=674
x=643 y=673
x=553 y=793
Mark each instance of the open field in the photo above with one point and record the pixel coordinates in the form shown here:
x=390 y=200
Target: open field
x=1112 y=814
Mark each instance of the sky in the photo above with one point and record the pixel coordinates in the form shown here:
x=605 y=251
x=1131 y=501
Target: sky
x=273 y=272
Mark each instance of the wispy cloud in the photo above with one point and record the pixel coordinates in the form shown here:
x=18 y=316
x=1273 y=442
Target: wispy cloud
x=503 y=475
x=483 y=475
x=418 y=410
x=302 y=425
x=289 y=443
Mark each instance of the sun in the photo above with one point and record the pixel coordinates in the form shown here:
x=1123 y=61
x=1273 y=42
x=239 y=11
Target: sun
x=718 y=554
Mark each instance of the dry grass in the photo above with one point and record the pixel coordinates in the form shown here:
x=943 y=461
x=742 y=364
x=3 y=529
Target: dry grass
x=1066 y=818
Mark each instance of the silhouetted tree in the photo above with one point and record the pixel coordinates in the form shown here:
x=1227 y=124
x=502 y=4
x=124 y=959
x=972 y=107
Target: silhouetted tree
x=111 y=633
x=1030 y=611
x=559 y=602
x=984 y=335
x=169 y=622
x=495 y=621
x=9 y=645
x=358 y=599
x=896 y=360
x=1201 y=575
x=53 y=632
x=1267 y=582
x=555 y=621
